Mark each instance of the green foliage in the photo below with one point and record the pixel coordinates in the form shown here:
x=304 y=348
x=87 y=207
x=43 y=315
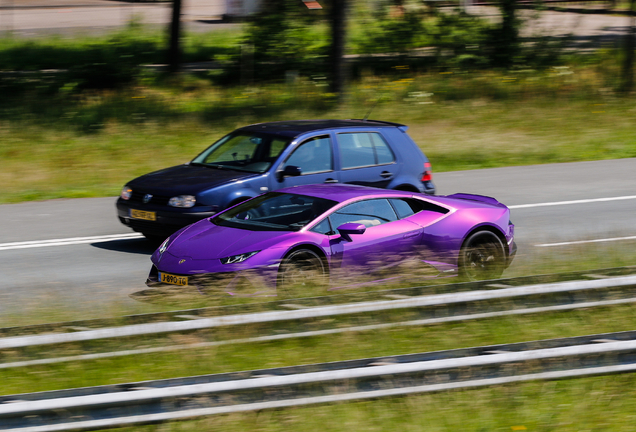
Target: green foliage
x=460 y=39
x=388 y=34
x=285 y=36
x=91 y=63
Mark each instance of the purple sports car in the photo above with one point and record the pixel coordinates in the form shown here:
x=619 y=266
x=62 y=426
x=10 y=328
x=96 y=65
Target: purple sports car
x=328 y=234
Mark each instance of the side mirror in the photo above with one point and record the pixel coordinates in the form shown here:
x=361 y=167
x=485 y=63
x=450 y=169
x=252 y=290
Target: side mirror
x=347 y=229
x=288 y=171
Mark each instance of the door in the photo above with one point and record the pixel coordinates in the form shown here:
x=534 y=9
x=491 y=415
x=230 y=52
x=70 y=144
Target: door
x=314 y=159
x=386 y=242
x=366 y=159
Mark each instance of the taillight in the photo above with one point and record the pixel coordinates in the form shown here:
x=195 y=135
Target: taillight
x=428 y=172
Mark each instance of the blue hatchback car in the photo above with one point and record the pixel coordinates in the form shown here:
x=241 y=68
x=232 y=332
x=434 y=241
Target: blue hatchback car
x=267 y=156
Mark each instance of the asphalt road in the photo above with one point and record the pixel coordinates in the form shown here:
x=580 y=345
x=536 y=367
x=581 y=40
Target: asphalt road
x=89 y=275
x=30 y=18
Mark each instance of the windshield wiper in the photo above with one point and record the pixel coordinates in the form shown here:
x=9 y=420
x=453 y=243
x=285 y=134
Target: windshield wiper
x=207 y=165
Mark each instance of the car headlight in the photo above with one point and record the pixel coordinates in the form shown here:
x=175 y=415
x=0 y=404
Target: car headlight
x=126 y=193
x=183 y=201
x=238 y=258
x=164 y=245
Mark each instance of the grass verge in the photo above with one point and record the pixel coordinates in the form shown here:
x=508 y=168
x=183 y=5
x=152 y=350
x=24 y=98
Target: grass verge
x=529 y=407
x=318 y=349
x=122 y=135
x=588 y=404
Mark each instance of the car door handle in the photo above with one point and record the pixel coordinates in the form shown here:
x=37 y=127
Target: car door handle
x=411 y=234
x=330 y=180
x=386 y=175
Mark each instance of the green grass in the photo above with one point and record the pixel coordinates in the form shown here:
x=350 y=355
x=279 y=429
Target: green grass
x=290 y=352
x=53 y=150
x=400 y=340
x=590 y=404
x=537 y=406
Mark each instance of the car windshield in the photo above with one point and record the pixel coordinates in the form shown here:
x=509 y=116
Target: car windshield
x=243 y=151
x=274 y=211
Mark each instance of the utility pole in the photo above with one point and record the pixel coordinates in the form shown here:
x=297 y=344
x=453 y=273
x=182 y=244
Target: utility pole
x=338 y=28
x=174 y=50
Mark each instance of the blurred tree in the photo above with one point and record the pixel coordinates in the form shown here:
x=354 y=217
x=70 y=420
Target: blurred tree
x=174 y=49
x=285 y=38
x=338 y=32
x=393 y=28
x=506 y=37
x=627 y=78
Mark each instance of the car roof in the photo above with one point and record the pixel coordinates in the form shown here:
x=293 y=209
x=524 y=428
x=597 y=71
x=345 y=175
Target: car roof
x=341 y=192
x=293 y=128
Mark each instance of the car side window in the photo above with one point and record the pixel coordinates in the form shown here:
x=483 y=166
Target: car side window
x=368 y=212
x=313 y=156
x=382 y=150
x=323 y=227
x=402 y=208
x=406 y=207
x=276 y=147
x=360 y=149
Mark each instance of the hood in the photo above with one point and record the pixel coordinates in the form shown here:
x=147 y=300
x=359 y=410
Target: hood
x=204 y=241
x=186 y=179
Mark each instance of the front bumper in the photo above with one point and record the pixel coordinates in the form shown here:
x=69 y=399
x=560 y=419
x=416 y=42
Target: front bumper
x=245 y=282
x=168 y=219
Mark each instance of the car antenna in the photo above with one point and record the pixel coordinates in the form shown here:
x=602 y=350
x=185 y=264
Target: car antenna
x=370 y=109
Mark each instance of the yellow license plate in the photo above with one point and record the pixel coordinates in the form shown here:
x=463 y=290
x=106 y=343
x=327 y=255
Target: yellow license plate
x=173 y=279
x=141 y=214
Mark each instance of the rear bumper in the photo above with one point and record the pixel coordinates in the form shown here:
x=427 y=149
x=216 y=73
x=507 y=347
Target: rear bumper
x=429 y=188
x=511 y=254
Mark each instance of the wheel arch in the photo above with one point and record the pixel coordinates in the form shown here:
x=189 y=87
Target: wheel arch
x=490 y=228
x=313 y=248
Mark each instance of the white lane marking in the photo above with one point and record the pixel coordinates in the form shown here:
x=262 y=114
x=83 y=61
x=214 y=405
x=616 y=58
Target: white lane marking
x=67 y=241
x=585 y=201
x=587 y=241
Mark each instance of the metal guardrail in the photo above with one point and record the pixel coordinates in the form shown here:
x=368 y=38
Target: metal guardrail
x=362 y=316
x=312 y=302
x=568 y=288
x=158 y=401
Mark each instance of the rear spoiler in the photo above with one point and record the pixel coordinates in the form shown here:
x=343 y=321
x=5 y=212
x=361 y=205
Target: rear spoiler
x=479 y=198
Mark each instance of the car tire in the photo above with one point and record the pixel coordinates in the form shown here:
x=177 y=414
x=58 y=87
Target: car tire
x=481 y=257
x=300 y=273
